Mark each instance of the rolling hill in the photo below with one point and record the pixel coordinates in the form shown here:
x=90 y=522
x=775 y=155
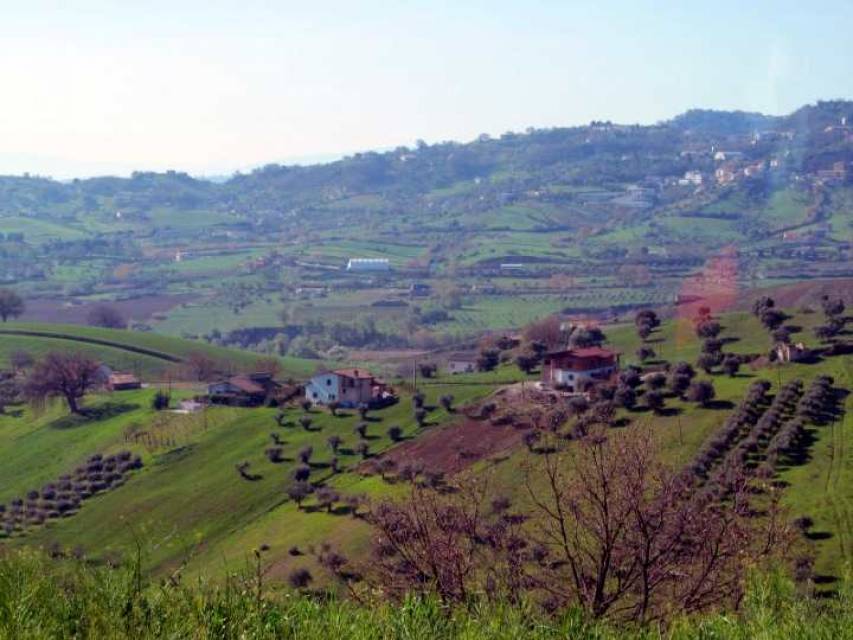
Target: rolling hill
x=150 y=355
x=192 y=508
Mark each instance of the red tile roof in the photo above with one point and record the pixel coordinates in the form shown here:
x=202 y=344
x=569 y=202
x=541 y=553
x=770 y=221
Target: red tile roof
x=585 y=352
x=593 y=352
x=358 y=374
x=245 y=384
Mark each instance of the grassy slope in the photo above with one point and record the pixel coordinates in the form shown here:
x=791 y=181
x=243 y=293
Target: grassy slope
x=189 y=497
x=822 y=488
x=147 y=365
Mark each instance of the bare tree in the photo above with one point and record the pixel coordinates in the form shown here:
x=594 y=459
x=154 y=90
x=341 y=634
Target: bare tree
x=449 y=544
x=201 y=367
x=631 y=539
x=68 y=375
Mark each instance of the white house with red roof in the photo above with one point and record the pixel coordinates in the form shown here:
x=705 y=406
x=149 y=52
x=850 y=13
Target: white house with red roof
x=348 y=387
x=576 y=369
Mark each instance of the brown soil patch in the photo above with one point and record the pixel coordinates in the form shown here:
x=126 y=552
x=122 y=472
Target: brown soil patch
x=454 y=447
x=786 y=296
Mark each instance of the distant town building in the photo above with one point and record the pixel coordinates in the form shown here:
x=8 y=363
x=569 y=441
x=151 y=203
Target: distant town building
x=725 y=156
x=753 y=169
x=368 y=264
x=725 y=174
x=691 y=178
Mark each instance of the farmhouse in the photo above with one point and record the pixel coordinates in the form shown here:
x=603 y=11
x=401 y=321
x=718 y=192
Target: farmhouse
x=576 y=369
x=461 y=363
x=368 y=264
x=243 y=390
x=349 y=388
x=123 y=382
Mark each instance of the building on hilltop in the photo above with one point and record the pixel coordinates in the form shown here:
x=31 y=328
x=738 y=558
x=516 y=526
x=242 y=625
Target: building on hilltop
x=691 y=178
x=575 y=370
x=368 y=264
x=725 y=174
x=349 y=388
x=726 y=156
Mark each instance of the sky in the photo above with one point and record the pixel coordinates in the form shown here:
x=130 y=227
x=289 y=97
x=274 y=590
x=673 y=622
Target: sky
x=209 y=87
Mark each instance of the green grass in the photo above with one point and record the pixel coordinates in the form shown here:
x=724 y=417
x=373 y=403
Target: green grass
x=340 y=250
x=39 y=231
x=193 y=507
x=119 y=347
x=142 y=365
x=822 y=488
x=37 y=448
x=189 y=500
x=44 y=598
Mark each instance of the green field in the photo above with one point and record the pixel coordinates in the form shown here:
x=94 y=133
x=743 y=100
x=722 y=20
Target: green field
x=147 y=353
x=38 y=231
x=189 y=500
x=191 y=506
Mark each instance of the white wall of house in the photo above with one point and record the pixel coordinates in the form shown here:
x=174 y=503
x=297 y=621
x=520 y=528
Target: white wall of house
x=323 y=388
x=568 y=378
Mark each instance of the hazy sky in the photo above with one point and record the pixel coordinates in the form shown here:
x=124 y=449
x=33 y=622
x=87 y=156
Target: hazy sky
x=210 y=87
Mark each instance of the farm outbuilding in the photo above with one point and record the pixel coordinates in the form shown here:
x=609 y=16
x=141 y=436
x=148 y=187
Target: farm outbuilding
x=251 y=389
x=123 y=382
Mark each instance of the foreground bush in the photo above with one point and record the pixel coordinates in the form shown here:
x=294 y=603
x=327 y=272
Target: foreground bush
x=46 y=598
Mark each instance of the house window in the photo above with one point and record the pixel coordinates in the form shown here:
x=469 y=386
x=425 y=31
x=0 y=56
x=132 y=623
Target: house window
x=328 y=382
x=314 y=395
x=571 y=376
